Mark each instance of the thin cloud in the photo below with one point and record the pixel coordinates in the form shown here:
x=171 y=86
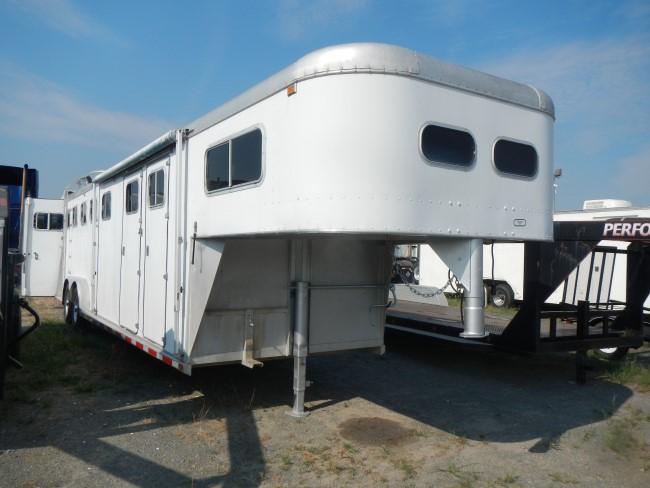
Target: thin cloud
x=633 y=176
x=65 y=17
x=603 y=85
x=38 y=110
x=297 y=18
x=603 y=111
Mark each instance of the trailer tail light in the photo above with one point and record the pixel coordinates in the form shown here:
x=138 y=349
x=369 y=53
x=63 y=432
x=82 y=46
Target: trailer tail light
x=292 y=89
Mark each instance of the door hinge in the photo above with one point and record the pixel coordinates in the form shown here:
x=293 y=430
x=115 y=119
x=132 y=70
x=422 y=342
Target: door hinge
x=165 y=277
x=140 y=231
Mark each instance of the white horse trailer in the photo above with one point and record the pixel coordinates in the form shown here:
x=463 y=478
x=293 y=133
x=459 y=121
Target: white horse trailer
x=265 y=229
x=42 y=247
x=508 y=270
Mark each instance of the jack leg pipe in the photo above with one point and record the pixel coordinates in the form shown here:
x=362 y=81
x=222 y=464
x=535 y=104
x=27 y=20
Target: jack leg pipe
x=300 y=346
x=473 y=300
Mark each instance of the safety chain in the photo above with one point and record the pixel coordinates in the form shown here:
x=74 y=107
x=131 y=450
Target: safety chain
x=415 y=291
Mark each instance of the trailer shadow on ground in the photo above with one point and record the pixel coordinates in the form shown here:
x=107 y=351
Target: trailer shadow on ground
x=150 y=426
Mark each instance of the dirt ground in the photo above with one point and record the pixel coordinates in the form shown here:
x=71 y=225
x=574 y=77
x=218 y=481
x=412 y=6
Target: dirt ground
x=89 y=410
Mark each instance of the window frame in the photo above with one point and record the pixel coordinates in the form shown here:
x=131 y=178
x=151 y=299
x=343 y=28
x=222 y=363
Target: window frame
x=47 y=221
x=83 y=217
x=228 y=140
x=164 y=195
x=110 y=204
x=445 y=164
x=127 y=199
x=514 y=175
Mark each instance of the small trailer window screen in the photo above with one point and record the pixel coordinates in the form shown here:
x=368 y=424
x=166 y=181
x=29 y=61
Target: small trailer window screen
x=449 y=146
x=40 y=221
x=132 y=197
x=83 y=213
x=236 y=162
x=74 y=216
x=515 y=158
x=56 y=221
x=157 y=188
x=90 y=213
x=106 y=206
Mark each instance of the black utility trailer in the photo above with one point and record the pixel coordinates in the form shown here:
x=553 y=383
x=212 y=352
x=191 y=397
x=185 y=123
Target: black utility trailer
x=571 y=325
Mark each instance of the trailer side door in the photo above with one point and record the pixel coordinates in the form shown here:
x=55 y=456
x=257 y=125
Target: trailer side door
x=155 y=251
x=131 y=247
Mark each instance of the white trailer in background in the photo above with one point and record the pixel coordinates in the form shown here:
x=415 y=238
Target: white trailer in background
x=266 y=228
x=42 y=247
x=508 y=274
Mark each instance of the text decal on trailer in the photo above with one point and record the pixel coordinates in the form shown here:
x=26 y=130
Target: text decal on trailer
x=639 y=229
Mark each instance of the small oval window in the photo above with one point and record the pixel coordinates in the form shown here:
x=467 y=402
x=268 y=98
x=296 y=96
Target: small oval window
x=450 y=146
x=515 y=158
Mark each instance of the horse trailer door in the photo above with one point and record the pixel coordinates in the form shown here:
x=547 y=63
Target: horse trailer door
x=131 y=243
x=42 y=247
x=155 y=252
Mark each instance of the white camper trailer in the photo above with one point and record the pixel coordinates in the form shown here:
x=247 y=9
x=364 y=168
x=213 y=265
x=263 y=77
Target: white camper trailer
x=265 y=229
x=508 y=257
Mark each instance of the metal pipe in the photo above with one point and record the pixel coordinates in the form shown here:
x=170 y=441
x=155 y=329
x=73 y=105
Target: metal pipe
x=342 y=287
x=300 y=349
x=22 y=208
x=473 y=296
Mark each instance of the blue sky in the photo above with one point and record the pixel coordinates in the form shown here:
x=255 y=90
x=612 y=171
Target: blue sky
x=84 y=84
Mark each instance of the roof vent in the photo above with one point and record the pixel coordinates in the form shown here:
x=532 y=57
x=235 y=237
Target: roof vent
x=607 y=203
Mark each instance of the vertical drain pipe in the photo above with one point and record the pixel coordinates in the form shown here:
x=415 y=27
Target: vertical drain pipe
x=473 y=296
x=300 y=349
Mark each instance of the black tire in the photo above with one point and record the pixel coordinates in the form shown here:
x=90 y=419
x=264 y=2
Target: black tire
x=608 y=353
x=502 y=296
x=71 y=307
x=612 y=353
x=67 y=305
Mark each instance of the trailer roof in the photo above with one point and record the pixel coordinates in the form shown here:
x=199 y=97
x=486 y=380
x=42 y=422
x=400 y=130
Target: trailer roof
x=381 y=59
x=358 y=58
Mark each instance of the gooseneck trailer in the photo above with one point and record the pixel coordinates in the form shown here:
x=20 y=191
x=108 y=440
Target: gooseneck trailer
x=266 y=228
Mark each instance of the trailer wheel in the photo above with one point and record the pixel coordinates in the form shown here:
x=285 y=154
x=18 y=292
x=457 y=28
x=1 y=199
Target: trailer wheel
x=71 y=307
x=502 y=296
x=609 y=353
x=612 y=353
x=67 y=305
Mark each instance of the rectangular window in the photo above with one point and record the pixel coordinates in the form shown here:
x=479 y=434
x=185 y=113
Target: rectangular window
x=132 y=197
x=56 y=221
x=515 y=158
x=83 y=213
x=157 y=188
x=448 y=146
x=69 y=218
x=235 y=162
x=217 y=169
x=246 y=158
x=40 y=221
x=90 y=213
x=74 y=216
x=106 y=206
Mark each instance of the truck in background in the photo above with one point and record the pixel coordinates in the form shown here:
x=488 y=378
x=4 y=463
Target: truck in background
x=503 y=262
